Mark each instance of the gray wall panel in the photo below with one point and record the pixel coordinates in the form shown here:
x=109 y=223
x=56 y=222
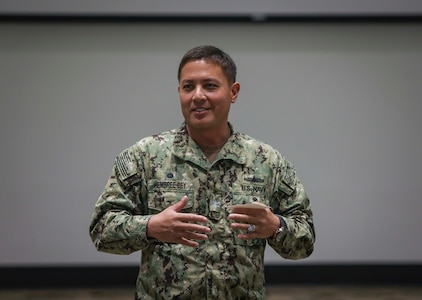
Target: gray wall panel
x=341 y=101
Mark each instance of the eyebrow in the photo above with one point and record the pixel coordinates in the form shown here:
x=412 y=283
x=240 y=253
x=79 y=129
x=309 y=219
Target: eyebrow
x=201 y=80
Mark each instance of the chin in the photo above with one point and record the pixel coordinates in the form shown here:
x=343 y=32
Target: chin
x=198 y=124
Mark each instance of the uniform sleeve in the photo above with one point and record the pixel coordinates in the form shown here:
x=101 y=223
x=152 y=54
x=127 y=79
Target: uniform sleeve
x=292 y=203
x=118 y=224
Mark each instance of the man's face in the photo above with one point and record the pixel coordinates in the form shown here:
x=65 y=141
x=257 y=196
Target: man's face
x=205 y=95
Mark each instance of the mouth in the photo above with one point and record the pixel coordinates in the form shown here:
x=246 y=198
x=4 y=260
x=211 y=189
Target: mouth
x=201 y=109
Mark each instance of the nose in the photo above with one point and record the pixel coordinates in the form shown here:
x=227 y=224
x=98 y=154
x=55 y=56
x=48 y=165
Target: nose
x=198 y=94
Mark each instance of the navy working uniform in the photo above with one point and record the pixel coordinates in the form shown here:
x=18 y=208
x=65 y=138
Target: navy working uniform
x=158 y=171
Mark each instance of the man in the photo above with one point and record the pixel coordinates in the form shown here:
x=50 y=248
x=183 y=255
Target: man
x=177 y=196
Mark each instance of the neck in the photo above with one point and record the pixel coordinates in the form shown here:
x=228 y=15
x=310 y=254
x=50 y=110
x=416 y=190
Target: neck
x=210 y=142
x=212 y=149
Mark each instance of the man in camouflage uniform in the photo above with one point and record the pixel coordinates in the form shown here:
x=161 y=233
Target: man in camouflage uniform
x=175 y=196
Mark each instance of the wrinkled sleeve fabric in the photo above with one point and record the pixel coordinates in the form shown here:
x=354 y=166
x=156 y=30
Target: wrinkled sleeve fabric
x=119 y=223
x=291 y=202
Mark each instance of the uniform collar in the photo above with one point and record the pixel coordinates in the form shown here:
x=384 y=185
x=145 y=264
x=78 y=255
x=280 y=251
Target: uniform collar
x=186 y=148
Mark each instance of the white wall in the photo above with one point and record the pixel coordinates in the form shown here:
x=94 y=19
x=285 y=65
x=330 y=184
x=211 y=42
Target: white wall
x=219 y=8
x=341 y=101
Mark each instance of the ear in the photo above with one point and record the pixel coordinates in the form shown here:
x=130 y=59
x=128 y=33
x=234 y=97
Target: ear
x=235 y=91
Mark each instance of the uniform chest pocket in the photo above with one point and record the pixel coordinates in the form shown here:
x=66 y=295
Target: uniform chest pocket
x=159 y=201
x=165 y=192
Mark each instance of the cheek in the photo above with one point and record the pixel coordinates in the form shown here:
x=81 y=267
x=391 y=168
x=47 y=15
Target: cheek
x=184 y=104
x=184 y=101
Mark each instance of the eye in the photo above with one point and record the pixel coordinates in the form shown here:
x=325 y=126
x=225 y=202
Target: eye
x=211 y=86
x=187 y=87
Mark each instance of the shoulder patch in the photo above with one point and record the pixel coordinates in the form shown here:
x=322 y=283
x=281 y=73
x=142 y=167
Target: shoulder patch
x=125 y=165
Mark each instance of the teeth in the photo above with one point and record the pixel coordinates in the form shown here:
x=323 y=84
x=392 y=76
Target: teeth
x=200 y=109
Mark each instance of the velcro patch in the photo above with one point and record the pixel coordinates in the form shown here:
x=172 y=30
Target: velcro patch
x=125 y=165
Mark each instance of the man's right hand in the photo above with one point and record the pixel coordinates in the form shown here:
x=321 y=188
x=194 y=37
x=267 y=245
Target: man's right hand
x=172 y=226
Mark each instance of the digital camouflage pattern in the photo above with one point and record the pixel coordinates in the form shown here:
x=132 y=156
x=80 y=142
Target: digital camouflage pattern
x=157 y=172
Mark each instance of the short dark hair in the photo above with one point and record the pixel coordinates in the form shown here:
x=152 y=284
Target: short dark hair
x=213 y=55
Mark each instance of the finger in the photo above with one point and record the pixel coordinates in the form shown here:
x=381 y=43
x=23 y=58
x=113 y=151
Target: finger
x=240 y=218
x=247 y=236
x=198 y=228
x=191 y=227
x=240 y=226
x=249 y=211
x=181 y=204
x=195 y=236
x=188 y=218
x=188 y=242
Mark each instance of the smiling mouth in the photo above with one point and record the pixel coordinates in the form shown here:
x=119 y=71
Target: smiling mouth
x=200 y=109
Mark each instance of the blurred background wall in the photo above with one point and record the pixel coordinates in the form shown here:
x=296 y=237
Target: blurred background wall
x=341 y=98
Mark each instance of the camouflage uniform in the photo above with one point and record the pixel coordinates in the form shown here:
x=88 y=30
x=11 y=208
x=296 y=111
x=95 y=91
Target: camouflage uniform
x=157 y=172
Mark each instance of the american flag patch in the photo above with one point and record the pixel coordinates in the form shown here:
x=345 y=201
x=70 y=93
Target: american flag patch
x=125 y=165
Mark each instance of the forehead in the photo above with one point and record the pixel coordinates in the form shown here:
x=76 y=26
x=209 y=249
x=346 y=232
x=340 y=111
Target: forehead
x=201 y=69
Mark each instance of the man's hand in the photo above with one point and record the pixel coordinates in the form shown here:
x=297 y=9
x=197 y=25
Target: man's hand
x=266 y=223
x=172 y=226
